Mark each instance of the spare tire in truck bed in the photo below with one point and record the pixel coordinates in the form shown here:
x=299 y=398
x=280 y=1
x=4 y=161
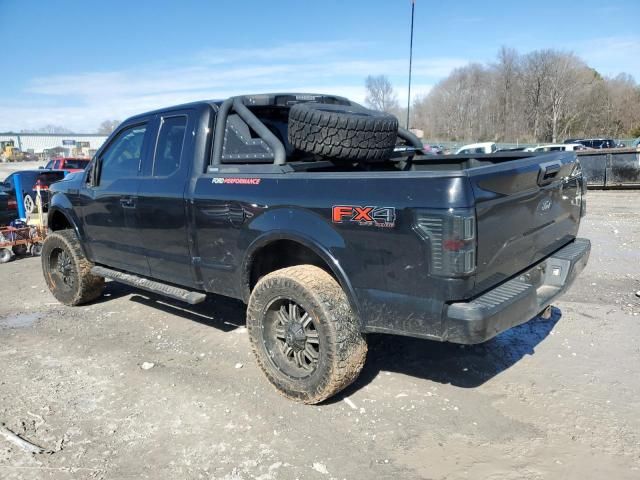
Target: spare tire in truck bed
x=342 y=131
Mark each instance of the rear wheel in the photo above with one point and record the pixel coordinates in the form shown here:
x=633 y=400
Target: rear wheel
x=5 y=255
x=29 y=204
x=67 y=271
x=304 y=334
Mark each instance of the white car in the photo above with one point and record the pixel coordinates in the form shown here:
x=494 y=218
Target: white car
x=557 y=147
x=485 y=147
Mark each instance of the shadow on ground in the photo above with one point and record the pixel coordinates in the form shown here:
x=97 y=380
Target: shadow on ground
x=219 y=312
x=465 y=366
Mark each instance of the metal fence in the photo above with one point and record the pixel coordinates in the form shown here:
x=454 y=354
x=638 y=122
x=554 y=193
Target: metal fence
x=613 y=168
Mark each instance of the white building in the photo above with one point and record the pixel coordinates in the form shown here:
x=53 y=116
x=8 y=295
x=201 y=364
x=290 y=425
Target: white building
x=74 y=144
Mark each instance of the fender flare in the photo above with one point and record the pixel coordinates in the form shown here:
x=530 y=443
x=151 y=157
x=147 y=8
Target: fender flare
x=54 y=209
x=72 y=220
x=324 y=253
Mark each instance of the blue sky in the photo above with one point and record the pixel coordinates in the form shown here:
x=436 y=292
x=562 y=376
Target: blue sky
x=77 y=63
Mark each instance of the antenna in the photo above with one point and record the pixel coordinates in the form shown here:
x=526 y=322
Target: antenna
x=413 y=7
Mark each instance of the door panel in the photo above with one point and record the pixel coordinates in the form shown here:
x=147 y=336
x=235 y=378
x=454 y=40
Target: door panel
x=161 y=209
x=109 y=212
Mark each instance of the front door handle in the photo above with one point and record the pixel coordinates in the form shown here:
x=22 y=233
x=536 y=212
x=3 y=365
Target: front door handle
x=128 y=202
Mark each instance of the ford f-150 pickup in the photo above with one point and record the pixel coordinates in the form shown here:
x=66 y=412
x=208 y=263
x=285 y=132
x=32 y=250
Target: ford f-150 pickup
x=327 y=219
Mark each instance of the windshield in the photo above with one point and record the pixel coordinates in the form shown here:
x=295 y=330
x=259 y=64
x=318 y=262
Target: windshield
x=50 y=177
x=76 y=163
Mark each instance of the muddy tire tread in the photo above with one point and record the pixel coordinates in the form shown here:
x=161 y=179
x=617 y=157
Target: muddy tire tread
x=348 y=348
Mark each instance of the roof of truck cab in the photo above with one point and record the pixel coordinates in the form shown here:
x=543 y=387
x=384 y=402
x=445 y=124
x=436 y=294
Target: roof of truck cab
x=182 y=106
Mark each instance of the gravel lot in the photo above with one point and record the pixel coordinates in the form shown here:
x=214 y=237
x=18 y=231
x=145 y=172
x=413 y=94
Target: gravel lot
x=549 y=399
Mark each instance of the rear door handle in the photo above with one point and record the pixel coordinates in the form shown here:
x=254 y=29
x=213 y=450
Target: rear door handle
x=128 y=202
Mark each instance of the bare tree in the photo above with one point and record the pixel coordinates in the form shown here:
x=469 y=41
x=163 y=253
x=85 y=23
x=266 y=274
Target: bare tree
x=507 y=92
x=49 y=128
x=545 y=95
x=380 y=94
x=108 y=126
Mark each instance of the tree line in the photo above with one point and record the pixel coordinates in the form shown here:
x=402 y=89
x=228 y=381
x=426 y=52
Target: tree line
x=542 y=96
x=105 y=128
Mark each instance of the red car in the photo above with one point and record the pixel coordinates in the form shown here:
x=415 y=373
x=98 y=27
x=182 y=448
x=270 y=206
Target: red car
x=67 y=163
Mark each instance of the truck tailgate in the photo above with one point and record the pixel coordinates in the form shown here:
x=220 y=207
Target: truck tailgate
x=526 y=209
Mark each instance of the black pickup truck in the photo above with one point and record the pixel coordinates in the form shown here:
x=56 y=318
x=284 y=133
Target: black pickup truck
x=327 y=219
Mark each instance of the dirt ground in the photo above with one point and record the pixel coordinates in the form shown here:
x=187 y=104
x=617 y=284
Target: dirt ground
x=549 y=399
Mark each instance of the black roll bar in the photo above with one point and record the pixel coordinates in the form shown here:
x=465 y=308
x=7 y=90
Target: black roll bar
x=279 y=153
x=405 y=134
x=235 y=103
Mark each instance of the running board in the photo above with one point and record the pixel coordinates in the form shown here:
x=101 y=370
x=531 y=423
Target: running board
x=177 y=293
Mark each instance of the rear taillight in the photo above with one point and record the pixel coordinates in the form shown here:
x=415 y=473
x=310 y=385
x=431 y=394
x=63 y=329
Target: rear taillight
x=451 y=235
x=12 y=204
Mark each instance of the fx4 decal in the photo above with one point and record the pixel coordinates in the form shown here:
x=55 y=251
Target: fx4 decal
x=384 y=217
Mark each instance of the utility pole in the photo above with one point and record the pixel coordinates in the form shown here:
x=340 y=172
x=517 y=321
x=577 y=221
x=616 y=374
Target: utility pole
x=413 y=7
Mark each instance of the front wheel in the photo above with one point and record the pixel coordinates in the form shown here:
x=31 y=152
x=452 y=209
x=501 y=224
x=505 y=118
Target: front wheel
x=304 y=334
x=67 y=271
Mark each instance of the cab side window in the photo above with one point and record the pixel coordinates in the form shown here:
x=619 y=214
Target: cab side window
x=169 y=146
x=122 y=158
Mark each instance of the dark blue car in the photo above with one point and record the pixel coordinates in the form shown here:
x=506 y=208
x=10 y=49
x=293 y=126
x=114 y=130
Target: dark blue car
x=8 y=210
x=30 y=180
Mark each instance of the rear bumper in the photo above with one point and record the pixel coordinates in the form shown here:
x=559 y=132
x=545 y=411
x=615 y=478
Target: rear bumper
x=517 y=300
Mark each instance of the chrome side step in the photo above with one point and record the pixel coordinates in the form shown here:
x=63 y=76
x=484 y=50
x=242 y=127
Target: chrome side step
x=176 y=293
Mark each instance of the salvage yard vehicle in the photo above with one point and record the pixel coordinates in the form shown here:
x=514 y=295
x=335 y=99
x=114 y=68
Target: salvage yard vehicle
x=596 y=142
x=327 y=219
x=68 y=164
x=557 y=147
x=473 y=148
x=32 y=180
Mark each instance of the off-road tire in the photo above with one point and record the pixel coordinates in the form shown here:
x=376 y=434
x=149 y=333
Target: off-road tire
x=82 y=285
x=342 y=346
x=342 y=132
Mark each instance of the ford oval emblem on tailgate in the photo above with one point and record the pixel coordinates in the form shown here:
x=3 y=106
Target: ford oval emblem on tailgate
x=545 y=205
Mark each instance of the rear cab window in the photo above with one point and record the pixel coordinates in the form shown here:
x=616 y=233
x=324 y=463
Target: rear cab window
x=169 y=146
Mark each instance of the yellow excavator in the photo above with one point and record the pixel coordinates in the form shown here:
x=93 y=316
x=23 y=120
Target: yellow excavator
x=9 y=152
